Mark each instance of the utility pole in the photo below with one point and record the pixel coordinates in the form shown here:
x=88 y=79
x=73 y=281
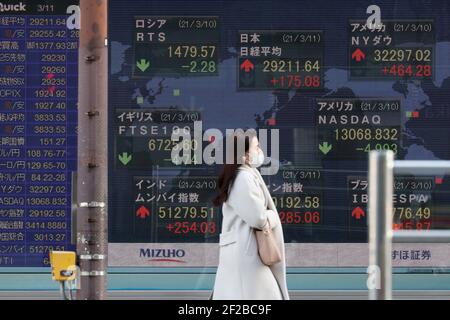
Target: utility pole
x=92 y=170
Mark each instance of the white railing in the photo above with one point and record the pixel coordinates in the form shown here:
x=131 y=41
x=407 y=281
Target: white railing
x=382 y=168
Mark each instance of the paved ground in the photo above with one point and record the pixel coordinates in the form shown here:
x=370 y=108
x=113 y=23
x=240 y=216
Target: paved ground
x=203 y=295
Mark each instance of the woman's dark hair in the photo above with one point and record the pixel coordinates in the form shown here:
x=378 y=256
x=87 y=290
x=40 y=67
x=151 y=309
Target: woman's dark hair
x=229 y=170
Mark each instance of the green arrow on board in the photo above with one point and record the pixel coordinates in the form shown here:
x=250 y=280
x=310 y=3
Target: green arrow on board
x=125 y=158
x=325 y=147
x=142 y=64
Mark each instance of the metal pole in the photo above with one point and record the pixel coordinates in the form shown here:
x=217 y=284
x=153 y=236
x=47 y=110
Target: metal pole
x=422 y=167
x=422 y=236
x=380 y=221
x=92 y=222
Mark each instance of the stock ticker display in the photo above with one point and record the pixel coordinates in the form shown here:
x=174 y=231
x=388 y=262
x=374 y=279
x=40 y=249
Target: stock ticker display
x=313 y=70
x=334 y=89
x=38 y=120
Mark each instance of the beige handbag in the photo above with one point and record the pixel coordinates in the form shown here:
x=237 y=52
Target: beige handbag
x=268 y=249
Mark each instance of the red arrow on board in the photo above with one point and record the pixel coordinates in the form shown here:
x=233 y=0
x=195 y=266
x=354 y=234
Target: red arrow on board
x=358 y=213
x=142 y=212
x=358 y=55
x=247 y=65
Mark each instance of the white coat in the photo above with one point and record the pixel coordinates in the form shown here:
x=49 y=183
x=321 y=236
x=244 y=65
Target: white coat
x=241 y=275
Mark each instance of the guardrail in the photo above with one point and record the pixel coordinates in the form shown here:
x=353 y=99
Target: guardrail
x=382 y=168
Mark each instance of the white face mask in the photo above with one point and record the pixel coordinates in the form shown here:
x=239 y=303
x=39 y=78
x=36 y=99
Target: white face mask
x=256 y=159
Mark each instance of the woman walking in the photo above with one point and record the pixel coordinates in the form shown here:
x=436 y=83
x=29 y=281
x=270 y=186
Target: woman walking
x=247 y=206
